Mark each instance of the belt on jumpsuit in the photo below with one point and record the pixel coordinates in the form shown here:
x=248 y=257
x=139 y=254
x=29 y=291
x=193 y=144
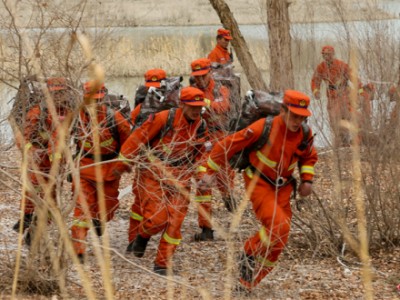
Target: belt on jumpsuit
x=279 y=182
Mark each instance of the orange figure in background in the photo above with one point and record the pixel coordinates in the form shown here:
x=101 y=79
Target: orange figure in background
x=269 y=180
x=220 y=53
x=40 y=139
x=112 y=130
x=336 y=75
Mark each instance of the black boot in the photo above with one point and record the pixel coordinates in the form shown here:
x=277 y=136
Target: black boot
x=230 y=203
x=246 y=267
x=160 y=270
x=98 y=227
x=81 y=258
x=130 y=247
x=206 y=234
x=26 y=223
x=139 y=245
x=28 y=237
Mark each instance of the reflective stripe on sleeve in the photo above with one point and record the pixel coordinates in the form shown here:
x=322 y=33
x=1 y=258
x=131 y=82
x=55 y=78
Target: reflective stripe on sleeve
x=28 y=146
x=135 y=216
x=123 y=159
x=213 y=166
x=292 y=166
x=201 y=169
x=249 y=172
x=307 y=170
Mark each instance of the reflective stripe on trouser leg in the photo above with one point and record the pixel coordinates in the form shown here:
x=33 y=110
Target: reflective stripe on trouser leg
x=272 y=209
x=79 y=231
x=204 y=209
x=171 y=237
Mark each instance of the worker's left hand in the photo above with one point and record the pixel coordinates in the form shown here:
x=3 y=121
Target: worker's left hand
x=305 y=189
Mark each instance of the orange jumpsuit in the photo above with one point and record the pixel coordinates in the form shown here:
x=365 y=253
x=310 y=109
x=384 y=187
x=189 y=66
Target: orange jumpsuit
x=40 y=137
x=220 y=55
x=336 y=75
x=217 y=118
x=87 y=205
x=271 y=203
x=164 y=182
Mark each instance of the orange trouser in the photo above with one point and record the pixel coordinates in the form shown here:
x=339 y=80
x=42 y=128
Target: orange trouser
x=136 y=215
x=164 y=208
x=225 y=181
x=272 y=209
x=43 y=166
x=88 y=207
x=339 y=110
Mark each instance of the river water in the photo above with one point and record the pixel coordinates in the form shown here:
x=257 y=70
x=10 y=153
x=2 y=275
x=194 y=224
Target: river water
x=305 y=33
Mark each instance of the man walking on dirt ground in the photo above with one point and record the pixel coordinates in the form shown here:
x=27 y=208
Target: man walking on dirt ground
x=40 y=139
x=268 y=179
x=220 y=53
x=336 y=74
x=171 y=143
x=217 y=98
x=100 y=130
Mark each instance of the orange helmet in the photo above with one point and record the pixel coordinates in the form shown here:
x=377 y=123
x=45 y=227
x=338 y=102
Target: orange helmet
x=89 y=89
x=327 y=49
x=200 y=66
x=56 y=84
x=370 y=86
x=154 y=77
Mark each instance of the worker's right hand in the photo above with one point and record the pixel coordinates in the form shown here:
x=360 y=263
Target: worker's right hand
x=317 y=95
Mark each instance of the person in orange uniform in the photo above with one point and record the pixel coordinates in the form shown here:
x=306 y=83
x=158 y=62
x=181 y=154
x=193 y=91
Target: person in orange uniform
x=153 y=78
x=269 y=180
x=365 y=95
x=336 y=74
x=218 y=106
x=220 y=53
x=39 y=139
x=165 y=179
x=113 y=130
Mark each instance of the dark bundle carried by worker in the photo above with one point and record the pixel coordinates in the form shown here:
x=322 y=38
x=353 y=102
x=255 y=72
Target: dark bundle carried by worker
x=256 y=105
x=33 y=91
x=224 y=74
x=159 y=97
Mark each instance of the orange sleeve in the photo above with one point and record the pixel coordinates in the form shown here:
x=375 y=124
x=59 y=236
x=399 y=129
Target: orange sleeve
x=124 y=129
x=223 y=151
x=31 y=124
x=307 y=159
x=143 y=134
x=135 y=113
x=213 y=56
x=221 y=104
x=316 y=78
